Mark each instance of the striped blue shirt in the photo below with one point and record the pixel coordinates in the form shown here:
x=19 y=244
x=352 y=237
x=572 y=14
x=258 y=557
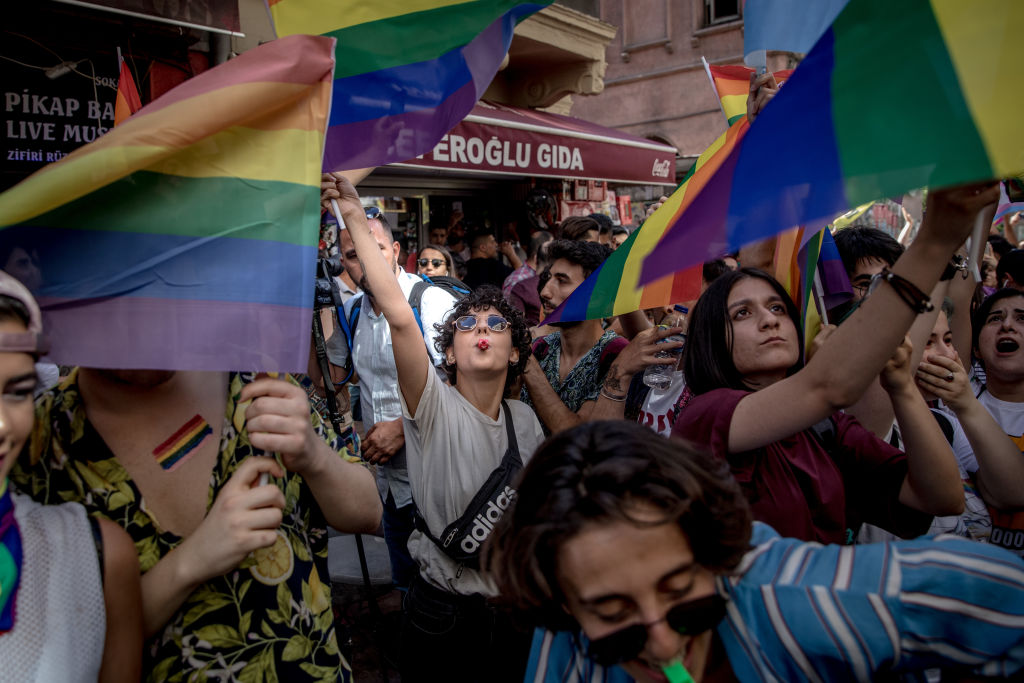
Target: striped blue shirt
x=801 y=611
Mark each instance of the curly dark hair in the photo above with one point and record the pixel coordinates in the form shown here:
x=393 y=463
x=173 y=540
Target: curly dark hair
x=478 y=300
x=599 y=472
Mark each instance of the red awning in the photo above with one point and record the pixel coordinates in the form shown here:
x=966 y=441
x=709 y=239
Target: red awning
x=504 y=140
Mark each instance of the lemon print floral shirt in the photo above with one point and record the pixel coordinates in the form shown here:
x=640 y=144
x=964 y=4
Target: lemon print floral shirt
x=270 y=619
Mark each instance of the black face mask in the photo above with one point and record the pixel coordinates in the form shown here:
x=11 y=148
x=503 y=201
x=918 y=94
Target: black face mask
x=688 y=618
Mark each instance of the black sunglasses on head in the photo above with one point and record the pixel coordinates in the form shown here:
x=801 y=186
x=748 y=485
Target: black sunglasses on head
x=688 y=618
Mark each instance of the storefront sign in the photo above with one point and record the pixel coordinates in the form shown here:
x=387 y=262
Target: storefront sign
x=504 y=140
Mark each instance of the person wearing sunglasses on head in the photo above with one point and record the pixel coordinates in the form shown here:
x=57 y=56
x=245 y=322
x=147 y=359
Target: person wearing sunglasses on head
x=465 y=446
x=434 y=260
x=638 y=558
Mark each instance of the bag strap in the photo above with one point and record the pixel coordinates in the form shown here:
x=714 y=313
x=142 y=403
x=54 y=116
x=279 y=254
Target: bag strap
x=480 y=498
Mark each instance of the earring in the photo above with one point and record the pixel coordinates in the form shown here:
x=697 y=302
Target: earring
x=451 y=360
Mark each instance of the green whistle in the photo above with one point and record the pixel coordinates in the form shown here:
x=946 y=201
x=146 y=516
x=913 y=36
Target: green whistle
x=677 y=673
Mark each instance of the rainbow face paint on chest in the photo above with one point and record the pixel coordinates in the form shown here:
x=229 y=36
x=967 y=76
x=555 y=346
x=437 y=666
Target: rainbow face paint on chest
x=182 y=444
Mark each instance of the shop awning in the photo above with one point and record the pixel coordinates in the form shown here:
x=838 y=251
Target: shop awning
x=219 y=16
x=497 y=139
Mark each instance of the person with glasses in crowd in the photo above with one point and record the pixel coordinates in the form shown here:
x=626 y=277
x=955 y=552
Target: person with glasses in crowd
x=465 y=446
x=434 y=260
x=638 y=558
x=374 y=363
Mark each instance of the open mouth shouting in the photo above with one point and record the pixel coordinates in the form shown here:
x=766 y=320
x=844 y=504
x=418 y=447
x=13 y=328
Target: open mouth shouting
x=1007 y=345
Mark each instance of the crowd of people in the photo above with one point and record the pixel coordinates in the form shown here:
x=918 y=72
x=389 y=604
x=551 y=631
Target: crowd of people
x=844 y=508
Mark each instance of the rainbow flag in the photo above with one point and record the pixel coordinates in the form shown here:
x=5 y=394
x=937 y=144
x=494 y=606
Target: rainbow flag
x=127 y=101
x=848 y=127
x=732 y=85
x=614 y=288
x=407 y=70
x=178 y=446
x=186 y=237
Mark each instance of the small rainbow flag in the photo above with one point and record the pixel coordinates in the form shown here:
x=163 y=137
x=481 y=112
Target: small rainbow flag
x=1005 y=207
x=407 y=70
x=127 y=101
x=176 y=449
x=186 y=237
x=841 y=132
x=732 y=85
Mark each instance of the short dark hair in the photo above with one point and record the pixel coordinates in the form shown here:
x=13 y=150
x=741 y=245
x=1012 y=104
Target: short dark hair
x=712 y=270
x=599 y=472
x=479 y=237
x=1011 y=263
x=480 y=298
x=707 y=356
x=604 y=223
x=981 y=313
x=862 y=242
x=587 y=255
x=620 y=230
x=1000 y=245
x=577 y=227
x=539 y=239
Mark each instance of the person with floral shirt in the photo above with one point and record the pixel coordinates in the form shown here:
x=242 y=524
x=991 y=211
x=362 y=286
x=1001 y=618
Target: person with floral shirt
x=235 y=585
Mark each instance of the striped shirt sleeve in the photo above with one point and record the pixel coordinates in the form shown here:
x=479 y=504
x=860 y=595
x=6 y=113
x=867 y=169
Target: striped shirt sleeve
x=805 y=612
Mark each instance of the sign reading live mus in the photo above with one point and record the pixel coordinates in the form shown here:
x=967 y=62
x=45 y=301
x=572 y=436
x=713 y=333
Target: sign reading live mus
x=499 y=139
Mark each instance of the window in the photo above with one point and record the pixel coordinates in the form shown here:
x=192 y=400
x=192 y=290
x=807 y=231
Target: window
x=591 y=7
x=720 y=11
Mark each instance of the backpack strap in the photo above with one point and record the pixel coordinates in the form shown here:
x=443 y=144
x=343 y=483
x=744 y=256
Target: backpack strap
x=415 y=296
x=945 y=425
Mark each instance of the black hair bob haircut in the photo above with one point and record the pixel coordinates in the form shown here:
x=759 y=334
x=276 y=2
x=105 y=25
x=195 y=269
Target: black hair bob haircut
x=707 y=357
x=600 y=472
x=478 y=300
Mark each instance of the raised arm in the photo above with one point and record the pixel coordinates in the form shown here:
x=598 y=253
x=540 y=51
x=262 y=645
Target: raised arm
x=1000 y=465
x=411 y=358
x=842 y=369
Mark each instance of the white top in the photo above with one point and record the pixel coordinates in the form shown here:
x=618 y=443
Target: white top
x=372 y=354
x=452 y=448
x=60 y=622
x=659 y=404
x=374 y=361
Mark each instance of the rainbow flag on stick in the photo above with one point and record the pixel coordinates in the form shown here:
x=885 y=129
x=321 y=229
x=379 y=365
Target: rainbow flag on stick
x=732 y=85
x=186 y=237
x=127 y=101
x=848 y=126
x=614 y=288
x=407 y=70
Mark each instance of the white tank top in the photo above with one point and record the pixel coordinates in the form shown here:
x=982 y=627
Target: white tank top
x=60 y=620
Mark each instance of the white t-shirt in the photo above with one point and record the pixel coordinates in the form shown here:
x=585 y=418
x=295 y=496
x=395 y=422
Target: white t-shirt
x=451 y=449
x=1007 y=527
x=658 y=408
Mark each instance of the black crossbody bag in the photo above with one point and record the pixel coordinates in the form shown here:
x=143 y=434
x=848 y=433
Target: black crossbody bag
x=462 y=539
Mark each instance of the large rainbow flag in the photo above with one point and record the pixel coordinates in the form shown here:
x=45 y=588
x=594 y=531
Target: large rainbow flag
x=407 y=70
x=893 y=96
x=186 y=237
x=614 y=288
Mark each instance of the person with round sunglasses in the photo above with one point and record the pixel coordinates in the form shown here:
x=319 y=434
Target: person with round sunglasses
x=637 y=558
x=434 y=260
x=465 y=445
